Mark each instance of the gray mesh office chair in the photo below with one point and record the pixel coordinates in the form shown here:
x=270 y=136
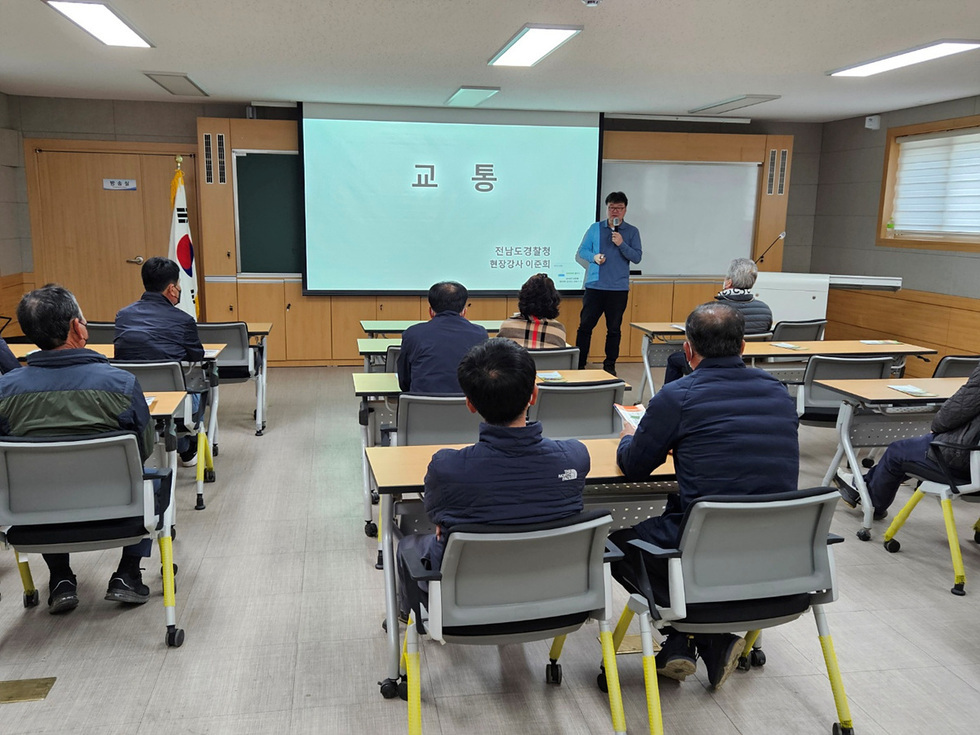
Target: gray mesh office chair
x=790 y=370
x=558 y=358
x=236 y=363
x=579 y=411
x=956 y=366
x=84 y=494
x=391 y=358
x=515 y=584
x=743 y=563
x=817 y=406
x=427 y=419
x=101 y=333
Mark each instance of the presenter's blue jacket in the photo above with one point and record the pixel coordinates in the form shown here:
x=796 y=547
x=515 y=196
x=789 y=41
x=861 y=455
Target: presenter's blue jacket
x=431 y=352
x=733 y=430
x=614 y=274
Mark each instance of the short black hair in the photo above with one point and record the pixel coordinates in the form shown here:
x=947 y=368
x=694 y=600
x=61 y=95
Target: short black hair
x=716 y=330
x=617 y=197
x=498 y=378
x=448 y=296
x=45 y=314
x=158 y=273
x=539 y=297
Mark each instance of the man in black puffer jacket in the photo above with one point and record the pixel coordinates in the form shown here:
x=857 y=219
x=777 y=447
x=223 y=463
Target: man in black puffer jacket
x=735 y=291
x=957 y=422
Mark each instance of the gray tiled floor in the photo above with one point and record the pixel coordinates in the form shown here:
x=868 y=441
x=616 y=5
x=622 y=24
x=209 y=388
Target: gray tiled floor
x=282 y=606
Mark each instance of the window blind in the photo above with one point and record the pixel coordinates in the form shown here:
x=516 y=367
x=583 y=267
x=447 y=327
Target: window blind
x=937 y=185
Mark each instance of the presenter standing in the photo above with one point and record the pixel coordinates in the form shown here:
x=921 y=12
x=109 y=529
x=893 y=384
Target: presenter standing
x=607 y=249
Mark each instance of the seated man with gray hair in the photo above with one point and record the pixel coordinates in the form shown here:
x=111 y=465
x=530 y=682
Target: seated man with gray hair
x=735 y=291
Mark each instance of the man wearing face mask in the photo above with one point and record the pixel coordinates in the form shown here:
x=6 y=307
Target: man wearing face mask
x=153 y=329
x=608 y=248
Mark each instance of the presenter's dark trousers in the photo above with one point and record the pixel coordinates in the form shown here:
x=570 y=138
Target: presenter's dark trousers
x=596 y=303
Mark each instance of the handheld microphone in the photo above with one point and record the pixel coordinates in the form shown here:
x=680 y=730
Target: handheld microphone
x=779 y=237
x=615 y=224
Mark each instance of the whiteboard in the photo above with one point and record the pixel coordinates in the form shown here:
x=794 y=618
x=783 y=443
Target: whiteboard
x=693 y=217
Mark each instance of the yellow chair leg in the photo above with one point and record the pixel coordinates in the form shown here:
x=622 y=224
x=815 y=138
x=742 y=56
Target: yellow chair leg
x=750 y=638
x=612 y=678
x=167 y=560
x=833 y=670
x=412 y=673
x=959 y=574
x=25 y=575
x=623 y=625
x=654 y=714
x=899 y=520
x=556 y=646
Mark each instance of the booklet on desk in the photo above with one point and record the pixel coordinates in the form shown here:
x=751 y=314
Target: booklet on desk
x=630 y=414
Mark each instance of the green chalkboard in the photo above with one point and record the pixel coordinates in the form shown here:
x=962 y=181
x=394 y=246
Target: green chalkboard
x=269 y=188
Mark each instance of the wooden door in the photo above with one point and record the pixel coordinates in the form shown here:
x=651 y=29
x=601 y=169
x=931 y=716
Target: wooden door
x=84 y=233
x=307 y=325
x=264 y=301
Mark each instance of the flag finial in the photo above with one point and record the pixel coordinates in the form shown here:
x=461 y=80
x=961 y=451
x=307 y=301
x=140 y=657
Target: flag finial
x=179 y=160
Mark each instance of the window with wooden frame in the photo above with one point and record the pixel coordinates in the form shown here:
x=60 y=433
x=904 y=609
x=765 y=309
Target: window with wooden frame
x=930 y=194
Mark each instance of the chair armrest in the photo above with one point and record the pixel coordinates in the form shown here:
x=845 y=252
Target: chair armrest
x=612 y=553
x=941 y=460
x=951 y=445
x=416 y=570
x=833 y=538
x=655 y=551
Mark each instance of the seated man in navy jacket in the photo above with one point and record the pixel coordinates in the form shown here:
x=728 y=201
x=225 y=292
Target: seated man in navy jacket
x=512 y=475
x=431 y=351
x=153 y=329
x=733 y=431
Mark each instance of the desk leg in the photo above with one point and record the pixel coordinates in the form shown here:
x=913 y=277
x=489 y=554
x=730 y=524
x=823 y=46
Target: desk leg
x=647 y=375
x=845 y=421
x=260 y=386
x=364 y=418
x=213 y=420
x=389 y=686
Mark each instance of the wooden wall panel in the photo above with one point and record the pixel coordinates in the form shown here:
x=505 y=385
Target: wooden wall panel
x=220 y=301
x=401 y=307
x=487 y=309
x=308 y=332
x=688 y=295
x=264 y=135
x=964 y=332
x=770 y=217
x=264 y=301
x=12 y=289
x=346 y=314
x=216 y=245
x=646 y=146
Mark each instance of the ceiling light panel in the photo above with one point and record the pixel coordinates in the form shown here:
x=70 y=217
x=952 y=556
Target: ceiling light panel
x=735 y=103
x=532 y=43
x=102 y=22
x=935 y=50
x=471 y=96
x=176 y=83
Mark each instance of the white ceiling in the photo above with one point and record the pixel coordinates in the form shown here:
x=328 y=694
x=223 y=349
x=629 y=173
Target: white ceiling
x=661 y=57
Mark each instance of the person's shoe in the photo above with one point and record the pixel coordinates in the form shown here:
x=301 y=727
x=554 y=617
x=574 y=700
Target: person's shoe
x=845 y=485
x=189 y=457
x=677 y=658
x=880 y=514
x=129 y=588
x=720 y=655
x=611 y=369
x=63 y=595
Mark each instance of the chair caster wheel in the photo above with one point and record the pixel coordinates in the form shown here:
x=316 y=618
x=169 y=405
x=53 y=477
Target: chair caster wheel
x=976 y=537
x=200 y=503
x=173 y=533
x=380 y=563
x=259 y=433
x=744 y=664
x=175 y=637
x=209 y=475
x=600 y=681
x=375 y=499
x=864 y=534
x=867 y=463
x=838 y=730
x=891 y=546
x=552 y=673
x=958 y=590
x=371 y=529
x=757 y=657
x=389 y=688
x=403 y=690
x=214 y=450
x=31 y=599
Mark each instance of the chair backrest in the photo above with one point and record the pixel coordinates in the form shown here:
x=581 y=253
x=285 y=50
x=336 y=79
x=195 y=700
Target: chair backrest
x=155 y=376
x=391 y=358
x=425 y=419
x=235 y=363
x=101 y=333
x=801 y=331
x=498 y=575
x=57 y=481
x=814 y=403
x=558 y=358
x=758 y=337
x=956 y=366
x=579 y=411
x=763 y=546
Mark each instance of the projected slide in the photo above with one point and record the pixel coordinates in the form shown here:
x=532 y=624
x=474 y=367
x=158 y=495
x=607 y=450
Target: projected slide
x=397 y=206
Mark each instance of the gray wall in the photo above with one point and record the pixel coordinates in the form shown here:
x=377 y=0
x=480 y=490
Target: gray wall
x=15 y=248
x=851 y=169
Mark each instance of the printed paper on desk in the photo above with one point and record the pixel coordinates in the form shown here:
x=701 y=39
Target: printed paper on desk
x=631 y=414
x=788 y=346
x=680 y=327
x=150 y=399
x=880 y=342
x=913 y=390
x=551 y=376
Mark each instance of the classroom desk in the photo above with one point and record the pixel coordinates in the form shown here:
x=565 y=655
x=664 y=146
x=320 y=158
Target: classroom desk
x=874 y=415
x=399 y=470
x=376 y=327
x=374 y=349
x=836 y=348
x=21 y=351
x=656 y=348
x=384 y=388
x=257 y=332
x=163 y=406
